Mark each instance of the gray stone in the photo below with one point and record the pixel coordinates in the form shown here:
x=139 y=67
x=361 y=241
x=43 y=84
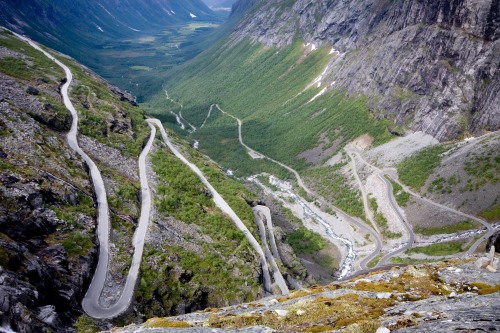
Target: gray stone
x=384 y=295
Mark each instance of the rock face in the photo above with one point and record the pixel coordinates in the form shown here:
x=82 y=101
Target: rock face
x=426 y=65
x=42 y=279
x=494 y=240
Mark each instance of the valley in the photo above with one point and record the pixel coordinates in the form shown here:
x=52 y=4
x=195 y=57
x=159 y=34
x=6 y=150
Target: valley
x=263 y=166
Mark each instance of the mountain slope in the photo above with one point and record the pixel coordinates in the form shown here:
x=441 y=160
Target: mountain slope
x=427 y=65
x=103 y=20
x=121 y=40
x=194 y=257
x=417 y=61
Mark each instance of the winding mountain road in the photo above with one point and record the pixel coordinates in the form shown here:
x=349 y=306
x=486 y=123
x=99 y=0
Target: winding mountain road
x=393 y=175
x=224 y=206
x=260 y=215
x=409 y=230
x=488 y=226
x=342 y=214
x=90 y=302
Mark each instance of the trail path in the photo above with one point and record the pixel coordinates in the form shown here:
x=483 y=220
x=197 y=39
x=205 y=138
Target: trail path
x=224 y=206
x=90 y=302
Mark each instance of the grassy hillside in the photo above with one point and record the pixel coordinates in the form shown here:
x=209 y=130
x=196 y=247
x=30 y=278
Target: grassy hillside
x=265 y=88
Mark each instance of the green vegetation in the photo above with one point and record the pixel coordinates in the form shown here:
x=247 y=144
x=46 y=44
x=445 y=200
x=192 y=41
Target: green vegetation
x=34 y=65
x=439 y=249
x=85 y=324
x=402 y=197
x=443 y=185
x=331 y=184
x=446 y=229
x=221 y=270
x=141 y=68
x=15 y=67
x=78 y=243
x=381 y=220
x=184 y=197
x=409 y=261
x=375 y=261
x=414 y=170
x=236 y=195
x=491 y=214
x=304 y=241
x=240 y=78
x=165 y=323
x=78 y=240
x=483 y=169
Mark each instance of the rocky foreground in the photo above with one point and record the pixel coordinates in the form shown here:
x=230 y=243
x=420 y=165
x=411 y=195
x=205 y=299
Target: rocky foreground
x=455 y=295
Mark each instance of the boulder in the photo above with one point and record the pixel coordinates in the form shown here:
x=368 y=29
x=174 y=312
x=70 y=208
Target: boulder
x=32 y=91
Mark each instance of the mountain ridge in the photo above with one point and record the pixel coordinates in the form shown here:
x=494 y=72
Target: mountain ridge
x=386 y=53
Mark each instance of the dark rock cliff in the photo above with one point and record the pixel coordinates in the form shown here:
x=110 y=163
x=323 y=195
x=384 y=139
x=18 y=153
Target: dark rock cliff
x=426 y=65
x=42 y=276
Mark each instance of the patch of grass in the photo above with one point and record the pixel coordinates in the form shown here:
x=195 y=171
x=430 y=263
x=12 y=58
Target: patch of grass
x=85 y=324
x=331 y=184
x=409 y=261
x=447 y=229
x=15 y=67
x=439 y=249
x=165 y=323
x=141 y=68
x=35 y=65
x=484 y=168
x=414 y=170
x=484 y=288
x=184 y=197
x=443 y=185
x=491 y=214
x=402 y=197
x=211 y=278
x=392 y=235
x=304 y=241
x=381 y=220
x=375 y=261
x=78 y=243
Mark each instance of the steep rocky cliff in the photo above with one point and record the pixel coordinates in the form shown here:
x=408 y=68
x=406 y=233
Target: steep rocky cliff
x=426 y=65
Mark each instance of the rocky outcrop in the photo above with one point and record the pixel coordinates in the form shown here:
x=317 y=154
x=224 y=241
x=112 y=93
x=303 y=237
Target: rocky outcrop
x=41 y=284
x=441 y=297
x=494 y=240
x=426 y=65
